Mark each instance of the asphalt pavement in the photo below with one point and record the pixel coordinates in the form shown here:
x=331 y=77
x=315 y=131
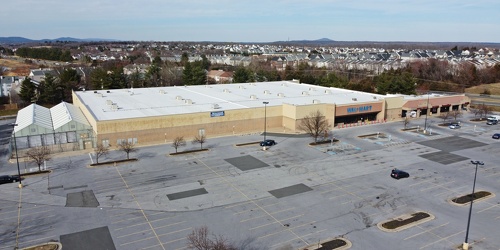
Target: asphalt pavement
x=287 y=197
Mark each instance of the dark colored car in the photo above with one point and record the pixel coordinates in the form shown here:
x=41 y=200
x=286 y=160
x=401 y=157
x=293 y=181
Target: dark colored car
x=496 y=136
x=398 y=174
x=9 y=179
x=267 y=143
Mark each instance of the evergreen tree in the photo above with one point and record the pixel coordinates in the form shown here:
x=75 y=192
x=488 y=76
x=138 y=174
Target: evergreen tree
x=28 y=91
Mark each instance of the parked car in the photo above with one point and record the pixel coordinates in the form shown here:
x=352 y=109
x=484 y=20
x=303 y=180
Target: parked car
x=267 y=143
x=492 y=122
x=496 y=136
x=454 y=125
x=9 y=179
x=398 y=174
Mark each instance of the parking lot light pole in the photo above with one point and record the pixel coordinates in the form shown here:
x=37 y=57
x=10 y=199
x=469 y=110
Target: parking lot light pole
x=265 y=118
x=17 y=157
x=466 y=244
x=426 y=113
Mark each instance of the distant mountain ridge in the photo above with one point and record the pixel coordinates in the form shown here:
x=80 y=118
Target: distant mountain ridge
x=17 y=39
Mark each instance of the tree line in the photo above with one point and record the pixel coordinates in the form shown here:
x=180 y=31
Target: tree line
x=53 y=54
x=420 y=76
x=52 y=89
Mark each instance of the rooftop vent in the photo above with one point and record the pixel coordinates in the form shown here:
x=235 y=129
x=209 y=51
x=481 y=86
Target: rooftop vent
x=354 y=99
x=374 y=97
x=108 y=91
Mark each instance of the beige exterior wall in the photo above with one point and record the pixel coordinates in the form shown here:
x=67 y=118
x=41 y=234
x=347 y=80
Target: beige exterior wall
x=393 y=108
x=162 y=129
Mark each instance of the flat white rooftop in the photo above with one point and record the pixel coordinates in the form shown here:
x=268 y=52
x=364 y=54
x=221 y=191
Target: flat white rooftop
x=116 y=104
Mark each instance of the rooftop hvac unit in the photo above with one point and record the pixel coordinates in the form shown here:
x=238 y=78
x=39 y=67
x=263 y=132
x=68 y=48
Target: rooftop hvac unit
x=281 y=95
x=114 y=106
x=284 y=85
x=311 y=89
x=253 y=97
x=305 y=93
x=162 y=91
x=109 y=102
x=99 y=94
x=226 y=91
x=242 y=87
x=178 y=97
x=327 y=91
x=374 y=97
x=266 y=92
x=215 y=106
x=316 y=101
x=188 y=101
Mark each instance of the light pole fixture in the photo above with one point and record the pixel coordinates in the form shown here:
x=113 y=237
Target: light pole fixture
x=466 y=244
x=265 y=118
x=17 y=156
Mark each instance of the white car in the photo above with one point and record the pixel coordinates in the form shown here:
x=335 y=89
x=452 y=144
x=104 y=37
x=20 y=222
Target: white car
x=454 y=125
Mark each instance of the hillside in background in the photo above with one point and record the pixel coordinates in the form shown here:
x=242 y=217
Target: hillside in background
x=15 y=39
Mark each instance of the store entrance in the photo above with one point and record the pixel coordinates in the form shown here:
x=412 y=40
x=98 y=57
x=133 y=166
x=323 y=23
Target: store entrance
x=347 y=119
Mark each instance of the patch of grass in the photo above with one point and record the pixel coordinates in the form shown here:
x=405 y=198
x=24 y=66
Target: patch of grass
x=467 y=198
x=189 y=151
x=47 y=246
x=113 y=162
x=8 y=112
x=322 y=142
x=393 y=224
x=247 y=143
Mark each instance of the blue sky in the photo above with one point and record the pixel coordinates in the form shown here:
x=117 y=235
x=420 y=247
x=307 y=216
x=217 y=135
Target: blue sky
x=255 y=21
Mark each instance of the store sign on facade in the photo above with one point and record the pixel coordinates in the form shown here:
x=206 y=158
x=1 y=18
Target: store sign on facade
x=359 y=109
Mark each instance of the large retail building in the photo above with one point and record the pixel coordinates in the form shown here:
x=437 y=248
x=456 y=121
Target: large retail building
x=158 y=115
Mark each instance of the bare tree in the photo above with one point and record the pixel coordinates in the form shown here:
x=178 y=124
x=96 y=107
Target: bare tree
x=127 y=147
x=200 y=239
x=100 y=150
x=39 y=155
x=485 y=110
x=315 y=124
x=445 y=116
x=200 y=138
x=475 y=111
x=406 y=121
x=178 y=142
x=456 y=114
